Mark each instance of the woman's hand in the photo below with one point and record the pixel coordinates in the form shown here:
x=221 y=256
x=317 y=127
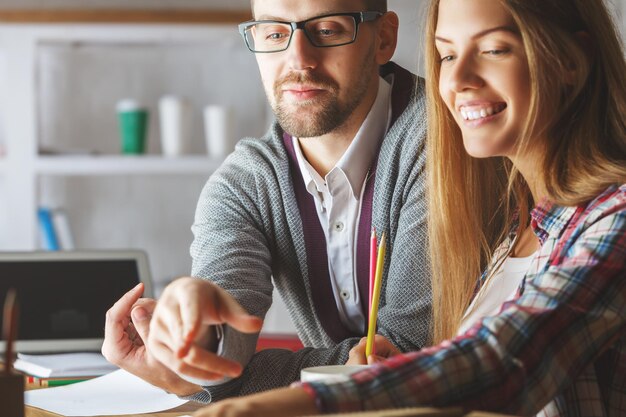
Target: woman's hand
x=384 y=349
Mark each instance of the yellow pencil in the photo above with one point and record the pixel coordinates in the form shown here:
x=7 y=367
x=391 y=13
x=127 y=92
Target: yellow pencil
x=371 y=328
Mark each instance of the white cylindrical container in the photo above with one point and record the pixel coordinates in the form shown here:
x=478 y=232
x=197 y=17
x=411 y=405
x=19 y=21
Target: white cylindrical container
x=330 y=373
x=218 y=130
x=175 y=114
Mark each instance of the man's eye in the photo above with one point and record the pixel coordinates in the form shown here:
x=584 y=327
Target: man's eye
x=276 y=36
x=326 y=32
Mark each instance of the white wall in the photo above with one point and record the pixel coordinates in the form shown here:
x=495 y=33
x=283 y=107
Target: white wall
x=410 y=33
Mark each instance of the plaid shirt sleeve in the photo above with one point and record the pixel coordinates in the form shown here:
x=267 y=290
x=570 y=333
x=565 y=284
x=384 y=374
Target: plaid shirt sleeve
x=572 y=310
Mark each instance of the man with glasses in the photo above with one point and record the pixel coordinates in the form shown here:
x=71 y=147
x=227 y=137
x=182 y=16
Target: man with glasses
x=295 y=210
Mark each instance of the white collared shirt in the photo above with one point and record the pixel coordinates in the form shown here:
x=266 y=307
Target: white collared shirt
x=338 y=198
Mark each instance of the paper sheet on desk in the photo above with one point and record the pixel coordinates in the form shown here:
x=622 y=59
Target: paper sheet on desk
x=116 y=393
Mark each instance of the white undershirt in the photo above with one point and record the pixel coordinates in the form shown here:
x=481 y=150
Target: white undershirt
x=500 y=288
x=338 y=197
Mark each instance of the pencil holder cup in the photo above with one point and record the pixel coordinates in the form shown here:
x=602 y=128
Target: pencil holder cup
x=12 y=395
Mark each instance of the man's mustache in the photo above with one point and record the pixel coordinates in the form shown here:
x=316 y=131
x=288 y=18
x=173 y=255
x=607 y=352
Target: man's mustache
x=310 y=79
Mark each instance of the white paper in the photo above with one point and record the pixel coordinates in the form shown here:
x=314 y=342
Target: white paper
x=116 y=393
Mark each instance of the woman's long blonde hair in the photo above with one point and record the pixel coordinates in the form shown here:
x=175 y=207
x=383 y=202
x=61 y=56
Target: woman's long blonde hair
x=580 y=93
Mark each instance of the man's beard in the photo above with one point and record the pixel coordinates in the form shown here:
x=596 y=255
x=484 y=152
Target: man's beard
x=320 y=115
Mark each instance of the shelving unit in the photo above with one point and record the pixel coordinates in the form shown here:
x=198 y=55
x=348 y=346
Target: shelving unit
x=125 y=165
x=113 y=200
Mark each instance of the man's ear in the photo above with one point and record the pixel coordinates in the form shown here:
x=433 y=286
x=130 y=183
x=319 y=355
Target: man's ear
x=387 y=37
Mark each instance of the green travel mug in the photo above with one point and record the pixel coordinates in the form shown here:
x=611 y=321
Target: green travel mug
x=133 y=123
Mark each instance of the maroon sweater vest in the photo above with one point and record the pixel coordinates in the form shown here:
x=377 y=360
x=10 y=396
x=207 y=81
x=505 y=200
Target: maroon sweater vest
x=315 y=242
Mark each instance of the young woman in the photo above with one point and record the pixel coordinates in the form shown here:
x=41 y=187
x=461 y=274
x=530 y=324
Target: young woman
x=527 y=149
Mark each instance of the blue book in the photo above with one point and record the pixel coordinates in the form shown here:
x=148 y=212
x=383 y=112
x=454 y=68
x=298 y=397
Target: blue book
x=50 y=239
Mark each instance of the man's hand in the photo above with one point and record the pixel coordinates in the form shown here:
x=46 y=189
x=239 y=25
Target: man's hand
x=126 y=329
x=384 y=349
x=283 y=402
x=181 y=328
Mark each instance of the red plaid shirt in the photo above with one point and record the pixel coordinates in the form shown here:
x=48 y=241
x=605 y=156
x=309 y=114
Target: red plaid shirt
x=557 y=350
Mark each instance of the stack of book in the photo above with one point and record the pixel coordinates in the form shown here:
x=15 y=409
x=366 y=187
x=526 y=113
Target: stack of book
x=55 y=230
x=33 y=382
x=61 y=369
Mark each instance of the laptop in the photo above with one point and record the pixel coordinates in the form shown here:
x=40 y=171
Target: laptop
x=64 y=296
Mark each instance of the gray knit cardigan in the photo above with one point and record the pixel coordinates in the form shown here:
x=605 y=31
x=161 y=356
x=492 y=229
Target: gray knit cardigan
x=249 y=238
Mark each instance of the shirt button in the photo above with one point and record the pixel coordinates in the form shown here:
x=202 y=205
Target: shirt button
x=345 y=294
x=339 y=226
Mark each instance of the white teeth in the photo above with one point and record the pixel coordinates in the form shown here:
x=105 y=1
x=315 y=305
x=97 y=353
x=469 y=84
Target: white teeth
x=479 y=114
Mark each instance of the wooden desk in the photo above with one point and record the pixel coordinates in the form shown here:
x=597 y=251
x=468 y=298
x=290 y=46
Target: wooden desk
x=410 y=412
x=178 y=411
x=420 y=412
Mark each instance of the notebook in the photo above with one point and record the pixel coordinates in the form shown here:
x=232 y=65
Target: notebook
x=64 y=365
x=63 y=296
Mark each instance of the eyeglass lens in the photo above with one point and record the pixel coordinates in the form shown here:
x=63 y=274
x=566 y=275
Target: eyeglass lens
x=323 y=31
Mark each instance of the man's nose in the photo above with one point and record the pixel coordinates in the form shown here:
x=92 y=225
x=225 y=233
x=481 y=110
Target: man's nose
x=302 y=54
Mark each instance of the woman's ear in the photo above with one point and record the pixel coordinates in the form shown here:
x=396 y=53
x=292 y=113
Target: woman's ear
x=585 y=43
x=387 y=37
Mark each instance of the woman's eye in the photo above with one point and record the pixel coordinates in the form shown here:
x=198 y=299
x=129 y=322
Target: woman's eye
x=496 y=52
x=447 y=58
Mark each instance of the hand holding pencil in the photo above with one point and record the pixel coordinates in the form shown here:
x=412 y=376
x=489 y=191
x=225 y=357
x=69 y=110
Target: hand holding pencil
x=365 y=352
x=382 y=347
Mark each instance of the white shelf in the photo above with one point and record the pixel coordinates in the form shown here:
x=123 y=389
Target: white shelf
x=125 y=165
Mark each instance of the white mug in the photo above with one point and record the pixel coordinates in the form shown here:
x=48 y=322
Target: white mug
x=175 y=115
x=218 y=128
x=330 y=373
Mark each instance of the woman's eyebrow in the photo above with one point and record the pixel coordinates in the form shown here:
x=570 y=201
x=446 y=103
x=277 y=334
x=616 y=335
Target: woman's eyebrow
x=483 y=33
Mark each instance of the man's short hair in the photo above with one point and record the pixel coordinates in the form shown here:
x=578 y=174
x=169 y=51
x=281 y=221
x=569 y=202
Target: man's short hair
x=370 y=5
x=376 y=5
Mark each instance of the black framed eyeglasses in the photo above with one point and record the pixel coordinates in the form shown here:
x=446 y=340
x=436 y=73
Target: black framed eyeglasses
x=263 y=36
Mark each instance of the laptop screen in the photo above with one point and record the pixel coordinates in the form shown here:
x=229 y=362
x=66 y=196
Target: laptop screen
x=63 y=296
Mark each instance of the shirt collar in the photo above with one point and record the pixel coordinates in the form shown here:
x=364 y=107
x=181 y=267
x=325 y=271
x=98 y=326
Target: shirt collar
x=312 y=179
x=549 y=219
x=358 y=158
